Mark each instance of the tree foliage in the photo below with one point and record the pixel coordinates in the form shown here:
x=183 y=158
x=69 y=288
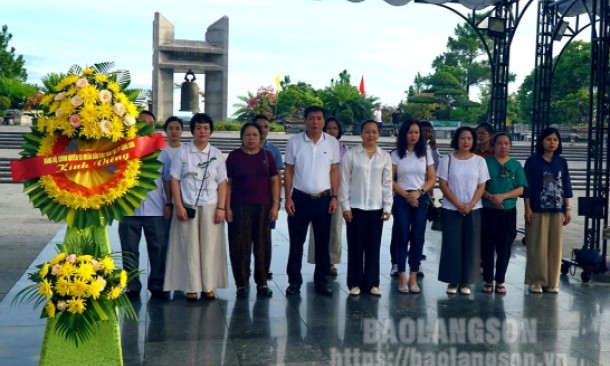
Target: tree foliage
x=11 y=65
x=569 y=87
x=340 y=99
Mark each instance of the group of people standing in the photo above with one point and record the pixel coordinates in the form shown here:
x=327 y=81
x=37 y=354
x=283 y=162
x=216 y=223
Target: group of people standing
x=325 y=184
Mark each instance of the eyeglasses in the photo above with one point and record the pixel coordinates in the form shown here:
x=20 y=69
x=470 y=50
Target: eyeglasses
x=505 y=173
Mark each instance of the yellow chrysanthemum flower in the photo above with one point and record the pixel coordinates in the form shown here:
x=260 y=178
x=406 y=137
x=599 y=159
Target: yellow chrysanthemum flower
x=84 y=258
x=79 y=288
x=76 y=306
x=62 y=286
x=85 y=271
x=101 y=78
x=48 y=98
x=46 y=146
x=45 y=289
x=67 y=269
x=50 y=309
x=131 y=132
x=68 y=80
x=96 y=288
x=88 y=71
x=122 y=98
x=123 y=278
x=44 y=270
x=113 y=87
x=71 y=91
x=61 y=256
x=114 y=293
x=89 y=93
x=107 y=264
x=105 y=111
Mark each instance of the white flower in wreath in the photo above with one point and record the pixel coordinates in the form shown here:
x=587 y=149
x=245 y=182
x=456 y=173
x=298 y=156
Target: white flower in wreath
x=105 y=96
x=120 y=109
x=82 y=82
x=105 y=126
x=60 y=96
x=77 y=101
x=129 y=120
x=61 y=305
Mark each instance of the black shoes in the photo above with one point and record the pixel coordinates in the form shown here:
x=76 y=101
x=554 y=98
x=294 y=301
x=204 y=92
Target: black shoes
x=241 y=293
x=264 y=292
x=293 y=290
x=324 y=290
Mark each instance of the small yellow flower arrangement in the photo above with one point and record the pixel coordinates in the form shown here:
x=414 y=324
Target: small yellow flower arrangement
x=79 y=289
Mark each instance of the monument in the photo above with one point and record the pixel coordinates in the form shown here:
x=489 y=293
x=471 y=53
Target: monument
x=209 y=57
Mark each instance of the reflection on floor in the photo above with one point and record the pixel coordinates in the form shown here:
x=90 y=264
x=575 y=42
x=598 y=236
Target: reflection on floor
x=569 y=328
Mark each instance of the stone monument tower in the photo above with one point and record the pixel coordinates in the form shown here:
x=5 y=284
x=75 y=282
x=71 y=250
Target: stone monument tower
x=209 y=57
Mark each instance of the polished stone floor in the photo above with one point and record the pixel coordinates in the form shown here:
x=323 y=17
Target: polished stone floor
x=569 y=328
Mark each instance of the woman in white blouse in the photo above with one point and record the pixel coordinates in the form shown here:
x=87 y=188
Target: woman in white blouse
x=196 y=257
x=366 y=199
x=462 y=176
x=414 y=177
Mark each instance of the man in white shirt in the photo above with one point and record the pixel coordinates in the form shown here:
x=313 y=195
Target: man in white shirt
x=311 y=183
x=148 y=218
x=377 y=116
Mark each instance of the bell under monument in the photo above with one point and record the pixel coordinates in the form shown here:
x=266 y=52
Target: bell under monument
x=209 y=57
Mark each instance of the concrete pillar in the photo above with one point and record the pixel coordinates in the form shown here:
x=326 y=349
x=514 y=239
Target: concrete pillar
x=209 y=57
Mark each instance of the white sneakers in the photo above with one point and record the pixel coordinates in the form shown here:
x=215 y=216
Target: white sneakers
x=375 y=291
x=355 y=291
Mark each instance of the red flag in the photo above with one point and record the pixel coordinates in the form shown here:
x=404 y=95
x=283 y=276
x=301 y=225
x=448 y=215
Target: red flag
x=361 y=85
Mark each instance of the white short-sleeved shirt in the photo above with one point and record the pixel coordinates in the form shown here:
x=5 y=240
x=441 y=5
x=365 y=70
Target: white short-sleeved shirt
x=167 y=155
x=377 y=115
x=411 y=170
x=312 y=161
x=366 y=183
x=463 y=177
x=195 y=169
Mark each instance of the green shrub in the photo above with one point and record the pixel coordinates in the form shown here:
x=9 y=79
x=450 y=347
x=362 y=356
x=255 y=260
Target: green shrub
x=5 y=103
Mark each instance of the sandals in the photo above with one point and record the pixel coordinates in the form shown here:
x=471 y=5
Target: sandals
x=488 y=288
x=500 y=289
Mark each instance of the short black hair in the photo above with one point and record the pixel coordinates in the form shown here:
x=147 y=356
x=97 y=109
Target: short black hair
x=544 y=134
x=149 y=113
x=425 y=123
x=333 y=119
x=500 y=134
x=488 y=127
x=313 y=108
x=260 y=116
x=367 y=122
x=201 y=118
x=249 y=124
x=456 y=136
x=173 y=119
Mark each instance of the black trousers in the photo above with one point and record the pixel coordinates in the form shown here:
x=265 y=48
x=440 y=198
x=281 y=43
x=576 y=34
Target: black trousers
x=363 y=246
x=314 y=211
x=499 y=232
x=130 y=233
x=250 y=233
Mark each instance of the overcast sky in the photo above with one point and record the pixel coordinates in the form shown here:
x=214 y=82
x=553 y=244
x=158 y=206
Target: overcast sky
x=309 y=40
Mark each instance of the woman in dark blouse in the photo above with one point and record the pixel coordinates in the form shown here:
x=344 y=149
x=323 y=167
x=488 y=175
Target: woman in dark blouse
x=253 y=201
x=547 y=210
